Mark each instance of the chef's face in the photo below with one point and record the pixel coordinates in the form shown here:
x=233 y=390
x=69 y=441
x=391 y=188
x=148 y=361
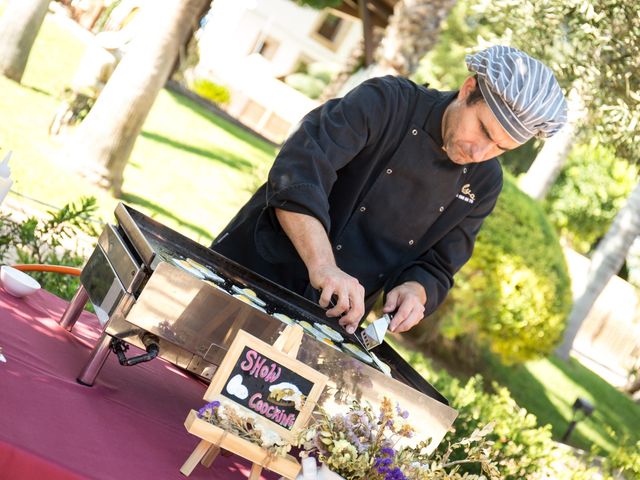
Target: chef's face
x=472 y=133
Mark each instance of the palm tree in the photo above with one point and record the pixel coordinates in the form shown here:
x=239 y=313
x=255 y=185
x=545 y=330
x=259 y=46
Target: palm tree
x=19 y=27
x=104 y=141
x=412 y=31
x=605 y=262
x=548 y=164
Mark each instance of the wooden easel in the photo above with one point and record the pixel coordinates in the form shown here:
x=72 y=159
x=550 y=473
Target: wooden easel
x=213 y=438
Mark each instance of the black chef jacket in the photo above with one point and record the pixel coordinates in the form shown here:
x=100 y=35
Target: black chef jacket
x=370 y=167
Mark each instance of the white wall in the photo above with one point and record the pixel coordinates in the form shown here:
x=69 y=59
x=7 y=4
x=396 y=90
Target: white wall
x=235 y=25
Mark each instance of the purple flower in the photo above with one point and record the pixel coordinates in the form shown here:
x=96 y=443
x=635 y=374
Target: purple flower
x=402 y=413
x=209 y=406
x=388 y=451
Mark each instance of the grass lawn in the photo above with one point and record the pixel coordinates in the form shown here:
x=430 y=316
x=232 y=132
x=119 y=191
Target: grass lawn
x=548 y=389
x=189 y=169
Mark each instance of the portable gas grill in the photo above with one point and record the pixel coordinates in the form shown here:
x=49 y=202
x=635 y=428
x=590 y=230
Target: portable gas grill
x=143 y=298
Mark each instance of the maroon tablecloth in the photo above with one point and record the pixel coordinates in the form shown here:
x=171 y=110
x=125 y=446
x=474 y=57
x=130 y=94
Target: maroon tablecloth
x=129 y=425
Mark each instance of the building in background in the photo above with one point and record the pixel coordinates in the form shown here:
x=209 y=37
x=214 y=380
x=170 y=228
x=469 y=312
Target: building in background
x=250 y=46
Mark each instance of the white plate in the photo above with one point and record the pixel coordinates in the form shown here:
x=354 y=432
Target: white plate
x=16 y=282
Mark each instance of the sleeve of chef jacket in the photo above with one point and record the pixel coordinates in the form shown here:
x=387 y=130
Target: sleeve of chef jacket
x=326 y=139
x=435 y=269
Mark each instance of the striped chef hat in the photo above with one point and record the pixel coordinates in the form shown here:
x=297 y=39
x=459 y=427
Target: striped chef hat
x=521 y=92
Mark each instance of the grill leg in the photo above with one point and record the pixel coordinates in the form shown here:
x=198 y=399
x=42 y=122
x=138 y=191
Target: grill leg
x=74 y=309
x=96 y=361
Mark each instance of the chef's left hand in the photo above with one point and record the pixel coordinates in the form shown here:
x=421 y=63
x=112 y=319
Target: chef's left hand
x=407 y=300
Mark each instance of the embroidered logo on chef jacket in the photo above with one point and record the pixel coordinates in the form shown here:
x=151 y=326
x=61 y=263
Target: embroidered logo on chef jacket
x=466 y=194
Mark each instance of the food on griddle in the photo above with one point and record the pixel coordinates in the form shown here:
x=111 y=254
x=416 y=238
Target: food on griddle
x=329 y=332
x=248 y=301
x=357 y=352
x=213 y=284
x=310 y=330
x=329 y=342
x=250 y=294
x=284 y=318
x=188 y=268
x=206 y=271
x=386 y=369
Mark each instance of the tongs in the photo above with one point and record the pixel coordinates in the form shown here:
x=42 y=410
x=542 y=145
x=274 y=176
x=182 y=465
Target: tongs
x=373 y=335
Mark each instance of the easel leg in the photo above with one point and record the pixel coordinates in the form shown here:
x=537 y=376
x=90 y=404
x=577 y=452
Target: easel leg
x=197 y=454
x=255 y=472
x=210 y=456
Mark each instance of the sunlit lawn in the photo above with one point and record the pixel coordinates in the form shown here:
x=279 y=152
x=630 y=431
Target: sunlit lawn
x=549 y=387
x=189 y=169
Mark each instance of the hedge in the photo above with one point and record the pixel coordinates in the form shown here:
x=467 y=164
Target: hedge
x=515 y=293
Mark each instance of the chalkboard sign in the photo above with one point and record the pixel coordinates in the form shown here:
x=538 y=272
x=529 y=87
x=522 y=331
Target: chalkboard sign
x=271 y=384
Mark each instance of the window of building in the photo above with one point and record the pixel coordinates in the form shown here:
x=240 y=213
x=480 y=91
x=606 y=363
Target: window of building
x=330 y=30
x=330 y=27
x=266 y=46
x=252 y=114
x=276 y=128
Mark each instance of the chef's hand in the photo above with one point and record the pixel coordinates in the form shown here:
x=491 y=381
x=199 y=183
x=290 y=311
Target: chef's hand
x=407 y=300
x=349 y=293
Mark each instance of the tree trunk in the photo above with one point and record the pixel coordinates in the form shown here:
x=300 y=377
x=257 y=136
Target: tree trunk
x=412 y=32
x=549 y=162
x=105 y=139
x=605 y=262
x=19 y=27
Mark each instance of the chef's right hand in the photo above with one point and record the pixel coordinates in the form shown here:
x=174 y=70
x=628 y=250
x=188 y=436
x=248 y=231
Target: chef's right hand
x=332 y=281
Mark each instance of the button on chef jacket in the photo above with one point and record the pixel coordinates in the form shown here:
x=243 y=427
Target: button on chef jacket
x=370 y=167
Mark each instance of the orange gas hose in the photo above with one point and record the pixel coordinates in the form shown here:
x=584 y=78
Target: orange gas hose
x=37 y=267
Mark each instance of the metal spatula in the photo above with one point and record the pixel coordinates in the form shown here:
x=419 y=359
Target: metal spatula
x=373 y=335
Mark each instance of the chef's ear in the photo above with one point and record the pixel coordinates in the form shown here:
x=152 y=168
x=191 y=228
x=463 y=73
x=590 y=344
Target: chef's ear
x=468 y=87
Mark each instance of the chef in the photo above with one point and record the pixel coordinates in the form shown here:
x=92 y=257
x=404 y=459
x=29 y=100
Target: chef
x=385 y=189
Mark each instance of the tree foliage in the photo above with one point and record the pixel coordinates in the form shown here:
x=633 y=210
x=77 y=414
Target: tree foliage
x=591 y=188
x=319 y=4
x=594 y=41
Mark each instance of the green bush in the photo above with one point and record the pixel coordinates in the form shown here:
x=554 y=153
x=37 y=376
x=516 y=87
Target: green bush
x=310 y=86
x=218 y=94
x=520 y=447
x=40 y=241
x=311 y=79
x=515 y=292
x=591 y=188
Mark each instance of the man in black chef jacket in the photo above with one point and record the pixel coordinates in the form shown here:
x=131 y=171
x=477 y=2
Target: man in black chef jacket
x=386 y=188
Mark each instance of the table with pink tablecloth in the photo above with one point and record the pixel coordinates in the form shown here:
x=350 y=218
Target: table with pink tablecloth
x=129 y=425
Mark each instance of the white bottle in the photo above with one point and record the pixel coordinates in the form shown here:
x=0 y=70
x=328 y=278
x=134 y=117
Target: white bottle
x=5 y=173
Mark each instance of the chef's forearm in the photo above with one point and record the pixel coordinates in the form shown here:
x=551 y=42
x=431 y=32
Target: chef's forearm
x=308 y=237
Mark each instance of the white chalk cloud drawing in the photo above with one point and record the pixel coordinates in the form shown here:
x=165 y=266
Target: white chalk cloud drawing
x=236 y=388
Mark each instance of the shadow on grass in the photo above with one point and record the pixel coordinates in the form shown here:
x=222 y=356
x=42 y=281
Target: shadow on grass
x=37 y=90
x=218 y=155
x=222 y=123
x=153 y=207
